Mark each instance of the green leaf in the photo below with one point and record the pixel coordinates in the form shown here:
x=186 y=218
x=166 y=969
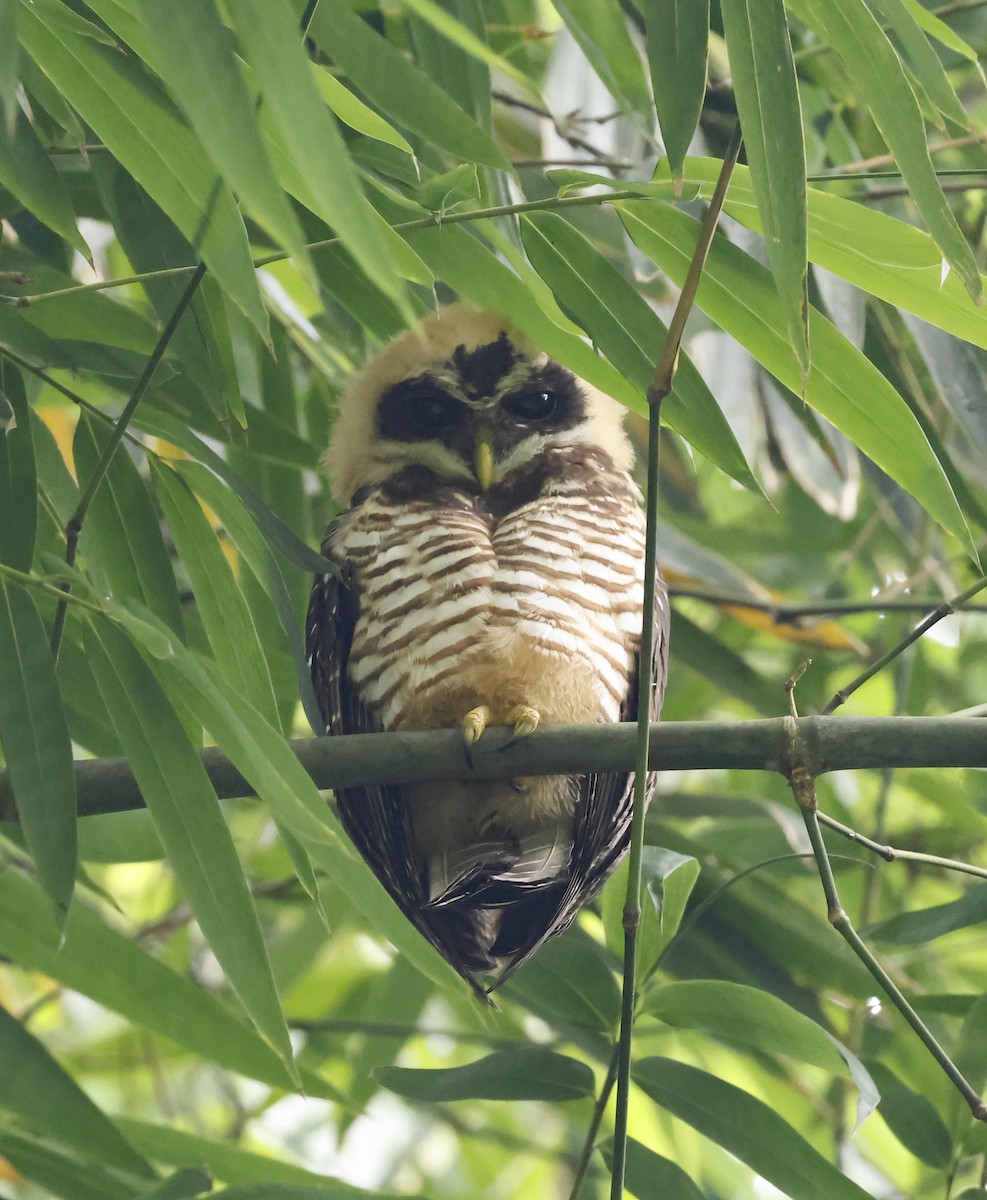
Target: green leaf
x=649 y=1176
x=766 y=90
x=108 y=967
x=911 y=1118
x=44 y=1097
x=193 y=54
x=843 y=385
x=307 y=130
x=928 y=71
x=678 y=33
x=602 y=34
x=224 y=612
x=227 y=1161
x=353 y=112
x=144 y=133
x=122 y=533
x=28 y=173
x=884 y=256
x=9 y=61
x=625 y=327
x=571 y=979
x=238 y=520
x=926 y=924
x=459 y=34
x=62 y=1171
x=858 y=39
x=746 y=1128
x=189 y=820
x=398 y=88
x=35 y=739
x=936 y=27
x=186 y=1182
x=504 y=1075
x=743 y=1016
x=18 y=478
x=668 y=879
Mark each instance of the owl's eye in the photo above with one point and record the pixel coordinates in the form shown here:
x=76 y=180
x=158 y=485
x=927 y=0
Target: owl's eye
x=533 y=406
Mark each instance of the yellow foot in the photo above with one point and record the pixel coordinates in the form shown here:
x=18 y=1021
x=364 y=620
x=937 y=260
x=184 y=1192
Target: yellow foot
x=474 y=723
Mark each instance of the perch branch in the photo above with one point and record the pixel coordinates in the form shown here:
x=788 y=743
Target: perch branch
x=106 y=785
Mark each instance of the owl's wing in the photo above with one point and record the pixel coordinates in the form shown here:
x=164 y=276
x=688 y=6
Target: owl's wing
x=601 y=828
x=375 y=816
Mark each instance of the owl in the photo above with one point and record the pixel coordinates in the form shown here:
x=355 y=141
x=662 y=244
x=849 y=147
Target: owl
x=491 y=572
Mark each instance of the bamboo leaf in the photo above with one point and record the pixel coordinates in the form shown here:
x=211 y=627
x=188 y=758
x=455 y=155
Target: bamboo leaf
x=678 y=33
x=766 y=90
x=44 y=1097
x=842 y=384
x=121 y=103
x=746 y=1128
x=9 y=61
x=27 y=172
x=224 y=612
x=308 y=132
x=650 y=1176
x=398 y=88
x=744 y=1016
x=18 y=473
x=229 y=1162
x=122 y=533
x=184 y=1183
x=62 y=1171
x=928 y=71
x=602 y=34
x=188 y=819
x=353 y=112
x=856 y=36
x=926 y=924
x=193 y=54
x=108 y=967
x=911 y=1118
x=35 y=739
x=625 y=327
x=505 y=1075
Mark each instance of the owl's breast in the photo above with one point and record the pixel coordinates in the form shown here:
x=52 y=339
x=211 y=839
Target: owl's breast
x=454 y=609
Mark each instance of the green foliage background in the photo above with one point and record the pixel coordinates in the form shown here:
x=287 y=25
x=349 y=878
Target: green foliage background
x=198 y=995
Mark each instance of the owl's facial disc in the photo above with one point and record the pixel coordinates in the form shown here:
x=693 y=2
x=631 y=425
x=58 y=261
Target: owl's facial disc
x=480 y=415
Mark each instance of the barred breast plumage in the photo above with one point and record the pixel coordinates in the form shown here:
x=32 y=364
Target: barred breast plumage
x=491 y=563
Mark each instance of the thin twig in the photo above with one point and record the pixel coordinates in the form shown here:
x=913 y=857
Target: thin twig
x=947 y=608
x=784 y=612
x=659 y=388
x=895 y=854
x=550 y=203
x=803 y=788
x=589 y=1142
x=76 y=521
x=888 y=160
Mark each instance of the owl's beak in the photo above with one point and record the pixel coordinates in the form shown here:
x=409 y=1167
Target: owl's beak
x=483 y=462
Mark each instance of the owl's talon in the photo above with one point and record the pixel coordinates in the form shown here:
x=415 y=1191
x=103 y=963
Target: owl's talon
x=474 y=723
x=525 y=720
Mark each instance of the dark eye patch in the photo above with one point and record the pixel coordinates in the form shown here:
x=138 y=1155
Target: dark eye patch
x=418 y=410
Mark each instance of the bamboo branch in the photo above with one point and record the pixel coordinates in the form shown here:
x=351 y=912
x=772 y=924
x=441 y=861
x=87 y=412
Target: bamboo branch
x=106 y=785
x=658 y=389
x=947 y=608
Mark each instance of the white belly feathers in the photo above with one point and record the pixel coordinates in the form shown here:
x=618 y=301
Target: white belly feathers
x=542 y=609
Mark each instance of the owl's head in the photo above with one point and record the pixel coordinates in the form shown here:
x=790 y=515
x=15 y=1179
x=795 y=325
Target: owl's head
x=468 y=396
